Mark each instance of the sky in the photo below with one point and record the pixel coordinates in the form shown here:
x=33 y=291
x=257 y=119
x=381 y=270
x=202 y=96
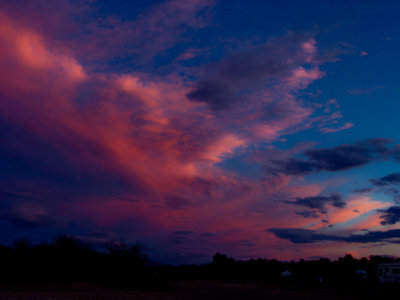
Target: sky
x=251 y=128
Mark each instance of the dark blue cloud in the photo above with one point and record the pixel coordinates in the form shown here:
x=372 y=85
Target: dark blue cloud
x=301 y=236
x=292 y=166
x=391 y=215
x=319 y=202
x=308 y=214
x=393 y=178
x=339 y=158
x=363 y=191
x=388 y=185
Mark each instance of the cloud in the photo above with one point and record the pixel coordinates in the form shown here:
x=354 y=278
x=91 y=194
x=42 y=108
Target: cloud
x=387 y=182
x=301 y=236
x=348 y=156
x=357 y=208
x=105 y=150
x=291 y=166
x=339 y=158
x=393 y=178
x=278 y=60
x=94 y=144
x=363 y=191
x=308 y=214
x=319 y=202
x=345 y=126
x=390 y=216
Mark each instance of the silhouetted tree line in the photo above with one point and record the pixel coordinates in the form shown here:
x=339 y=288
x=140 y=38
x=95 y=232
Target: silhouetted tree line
x=343 y=271
x=68 y=259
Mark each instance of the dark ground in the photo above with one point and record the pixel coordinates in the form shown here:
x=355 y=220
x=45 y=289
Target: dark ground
x=69 y=269
x=198 y=290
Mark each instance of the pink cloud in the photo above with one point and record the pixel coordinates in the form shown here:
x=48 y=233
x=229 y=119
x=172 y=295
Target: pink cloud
x=355 y=207
x=152 y=154
x=345 y=126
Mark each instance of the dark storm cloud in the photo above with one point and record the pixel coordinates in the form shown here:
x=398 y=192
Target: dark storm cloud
x=302 y=236
x=393 y=178
x=319 y=202
x=259 y=67
x=339 y=158
x=391 y=215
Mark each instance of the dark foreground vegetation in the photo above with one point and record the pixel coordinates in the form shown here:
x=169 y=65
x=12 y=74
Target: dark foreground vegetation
x=72 y=268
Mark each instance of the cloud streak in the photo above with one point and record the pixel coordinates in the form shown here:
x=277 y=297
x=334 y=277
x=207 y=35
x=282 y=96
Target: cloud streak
x=319 y=202
x=302 y=236
x=335 y=159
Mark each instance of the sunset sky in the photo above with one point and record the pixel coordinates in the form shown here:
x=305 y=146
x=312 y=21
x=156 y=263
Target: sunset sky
x=251 y=128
